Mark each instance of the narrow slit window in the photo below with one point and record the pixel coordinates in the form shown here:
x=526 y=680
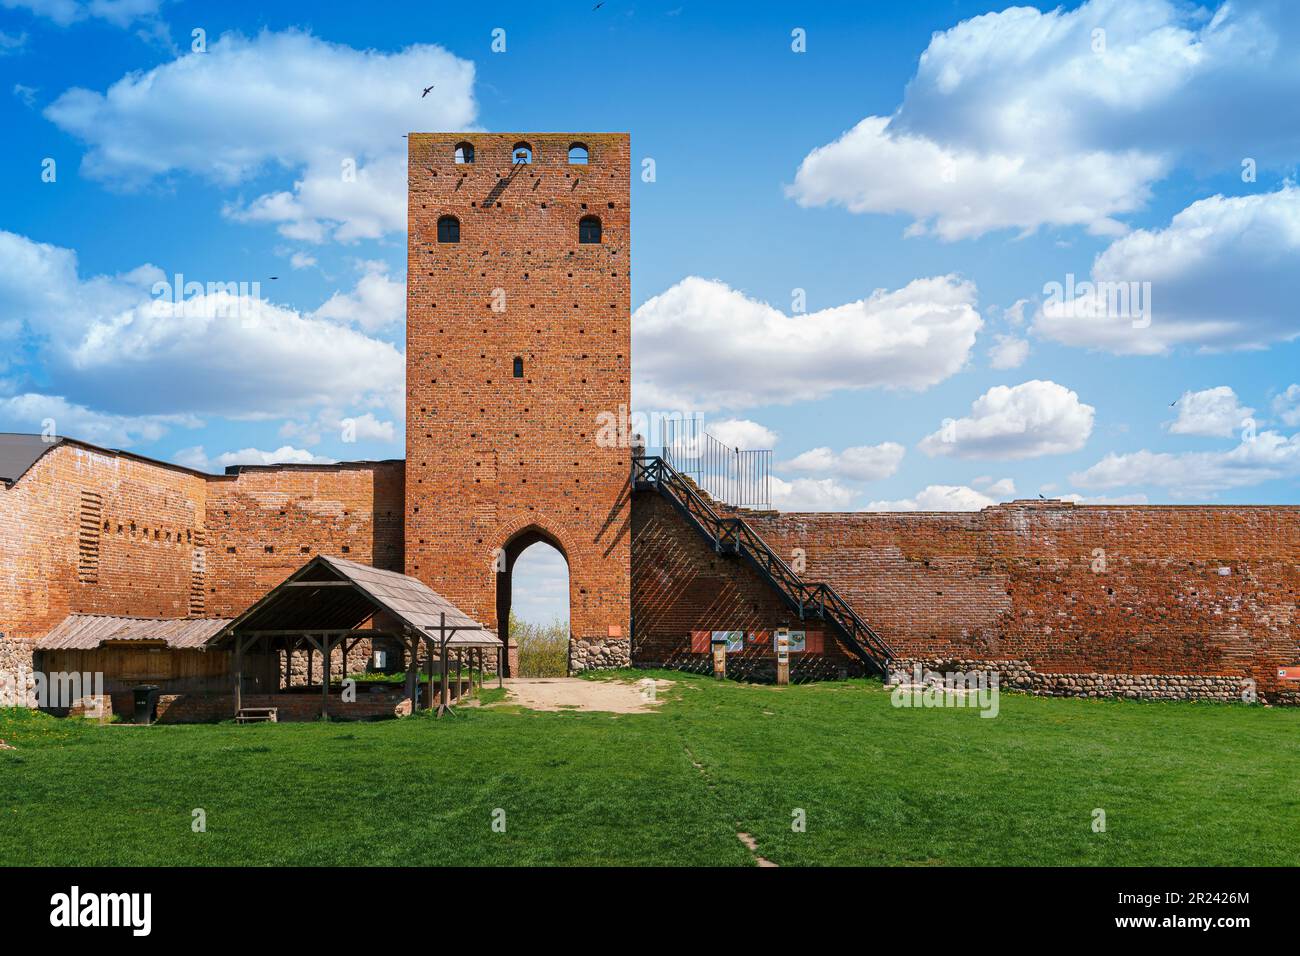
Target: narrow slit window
x=448 y=229
x=589 y=229
x=519 y=367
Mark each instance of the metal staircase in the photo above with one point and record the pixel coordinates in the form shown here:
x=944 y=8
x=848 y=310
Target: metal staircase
x=734 y=536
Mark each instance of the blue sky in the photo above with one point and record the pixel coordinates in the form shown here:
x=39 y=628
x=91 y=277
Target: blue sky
x=950 y=159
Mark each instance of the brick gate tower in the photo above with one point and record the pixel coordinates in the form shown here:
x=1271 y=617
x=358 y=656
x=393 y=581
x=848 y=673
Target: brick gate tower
x=517 y=339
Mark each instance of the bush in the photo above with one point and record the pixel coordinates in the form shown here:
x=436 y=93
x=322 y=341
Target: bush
x=543 y=648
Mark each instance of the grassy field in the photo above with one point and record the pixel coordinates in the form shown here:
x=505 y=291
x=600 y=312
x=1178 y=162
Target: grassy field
x=1179 y=783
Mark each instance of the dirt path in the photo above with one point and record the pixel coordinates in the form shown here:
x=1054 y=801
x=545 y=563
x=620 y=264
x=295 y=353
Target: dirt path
x=572 y=693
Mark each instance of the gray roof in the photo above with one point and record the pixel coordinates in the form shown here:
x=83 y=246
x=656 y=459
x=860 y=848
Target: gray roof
x=19 y=452
x=295 y=606
x=85 y=632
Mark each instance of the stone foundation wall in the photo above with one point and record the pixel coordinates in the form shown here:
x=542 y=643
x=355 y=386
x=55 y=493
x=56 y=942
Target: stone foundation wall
x=596 y=655
x=16 y=665
x=1021 y=676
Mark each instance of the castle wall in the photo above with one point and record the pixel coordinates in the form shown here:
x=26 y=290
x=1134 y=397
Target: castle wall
x=93 y=531
x=1068 y=597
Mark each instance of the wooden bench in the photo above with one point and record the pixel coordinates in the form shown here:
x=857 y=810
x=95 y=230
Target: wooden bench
x=257 y=715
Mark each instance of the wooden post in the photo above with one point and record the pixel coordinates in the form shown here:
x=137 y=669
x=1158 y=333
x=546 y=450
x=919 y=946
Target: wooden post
x=239 y=674
x=442 y=639
x=460 y=690
x=325 y=678
x=412 y=643
x=501 y=652
x=783 y=657
x=429 y=668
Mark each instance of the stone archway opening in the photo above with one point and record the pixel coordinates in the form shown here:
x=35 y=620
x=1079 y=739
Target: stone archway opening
x=533 y=604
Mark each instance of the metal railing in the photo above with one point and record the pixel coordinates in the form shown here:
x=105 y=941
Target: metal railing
x=738 y=477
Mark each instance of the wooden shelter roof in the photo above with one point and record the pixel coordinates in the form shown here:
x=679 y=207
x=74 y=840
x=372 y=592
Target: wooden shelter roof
x=333 y=595
x=86 y=632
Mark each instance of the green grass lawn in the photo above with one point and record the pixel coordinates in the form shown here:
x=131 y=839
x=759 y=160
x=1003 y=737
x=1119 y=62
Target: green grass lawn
x=1179 y=783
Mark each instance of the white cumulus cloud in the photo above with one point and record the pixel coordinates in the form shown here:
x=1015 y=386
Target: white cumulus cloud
x=1214 y=412
x=937 y=498
x=1287 y=405
x=810 y=494
x=1008 y=351
x=120 y=13
x=377 y=302
x=1022 y=421
x=863 y=463
x=702 y=344
x=129 y=344
x=1267 y=456
x=1023 y=119
x=742 y=433
x=330 y=116
x=197 y=459
x=1223 y=275
x=29 y=413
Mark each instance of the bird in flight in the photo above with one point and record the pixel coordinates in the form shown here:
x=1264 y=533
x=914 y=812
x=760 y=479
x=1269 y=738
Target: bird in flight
x=426 y=91
x=599 y=5
x=1041 y=495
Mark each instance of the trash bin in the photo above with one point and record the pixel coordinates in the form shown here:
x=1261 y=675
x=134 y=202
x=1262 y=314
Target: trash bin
x=146 y=699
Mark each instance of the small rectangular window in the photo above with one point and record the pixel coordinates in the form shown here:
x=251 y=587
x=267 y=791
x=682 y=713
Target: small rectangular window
x=519 y=367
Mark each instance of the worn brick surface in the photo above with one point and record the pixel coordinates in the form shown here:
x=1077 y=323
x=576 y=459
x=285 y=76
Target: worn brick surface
x=146 y=527
x=1183 y=590
x=167 y=542
x=494 y=461
x=680 y=585
x=267 y=522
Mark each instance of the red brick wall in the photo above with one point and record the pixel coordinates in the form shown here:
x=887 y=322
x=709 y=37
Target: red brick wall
x=138 y=522
x=491 y=456
x=87 y=530
x=1016 y=582
x=267 y=522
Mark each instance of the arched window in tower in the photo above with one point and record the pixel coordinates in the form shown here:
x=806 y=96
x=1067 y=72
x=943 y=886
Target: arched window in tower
x=519 y=367
x=448 y=229
x=522 y=154
x=464 y=153
x=578 y=154
x=589 y=229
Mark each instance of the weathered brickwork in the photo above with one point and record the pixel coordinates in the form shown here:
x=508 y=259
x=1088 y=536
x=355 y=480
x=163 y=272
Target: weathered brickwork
x=169 y=542
x=142 y=540
x=496 y=459
x=266 y=522
x=679 y=585
x=1165 y=593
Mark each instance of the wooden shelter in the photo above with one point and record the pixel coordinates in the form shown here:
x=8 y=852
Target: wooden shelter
x=171 y=653
x=332 y=602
